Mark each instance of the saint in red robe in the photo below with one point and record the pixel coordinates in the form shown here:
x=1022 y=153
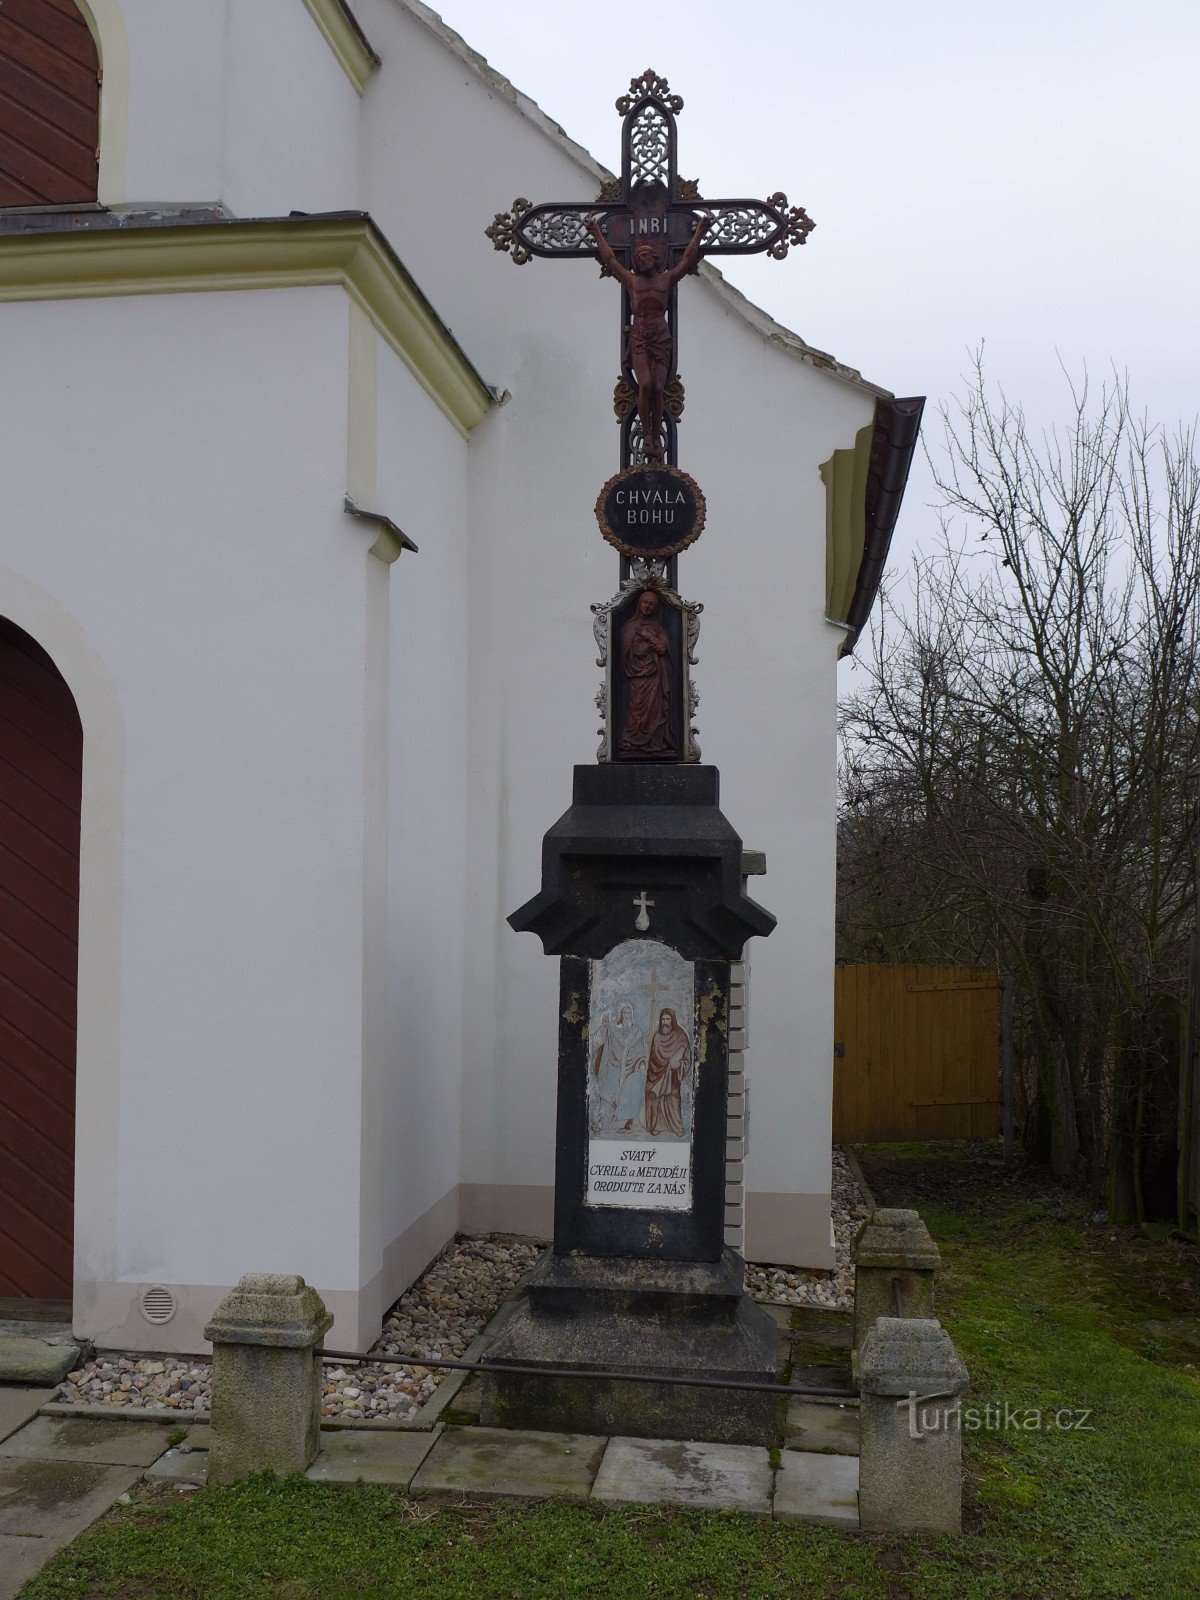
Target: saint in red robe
x=668 y=1067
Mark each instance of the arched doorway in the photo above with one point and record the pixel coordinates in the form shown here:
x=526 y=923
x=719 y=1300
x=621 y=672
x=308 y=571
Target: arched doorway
x=49 y=105
x=41 y=763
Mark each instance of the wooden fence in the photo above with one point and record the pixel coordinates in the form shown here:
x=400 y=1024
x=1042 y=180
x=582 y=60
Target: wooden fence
x=917 y=1053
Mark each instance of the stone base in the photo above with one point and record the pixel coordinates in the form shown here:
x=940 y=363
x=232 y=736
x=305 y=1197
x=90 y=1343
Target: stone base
x=677 y=1318
x=33 y=1360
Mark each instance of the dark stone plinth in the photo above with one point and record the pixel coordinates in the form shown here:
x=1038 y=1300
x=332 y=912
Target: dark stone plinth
x=635 y=827
x=674 y=1318
x=565 y=1286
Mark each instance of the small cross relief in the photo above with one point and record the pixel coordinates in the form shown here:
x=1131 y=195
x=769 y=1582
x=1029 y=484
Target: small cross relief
x=643 y=905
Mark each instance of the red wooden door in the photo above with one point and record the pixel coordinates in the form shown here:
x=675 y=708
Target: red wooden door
x=49 y=104
x=41 y=761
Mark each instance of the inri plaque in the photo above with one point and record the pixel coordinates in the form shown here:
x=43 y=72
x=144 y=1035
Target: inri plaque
x=641 y=1078
x=651 y=512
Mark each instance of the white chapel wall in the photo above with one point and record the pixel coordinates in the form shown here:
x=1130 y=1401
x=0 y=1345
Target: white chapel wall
x=191 y=525
x=292 y=117
x=240 y=102
x=413 y=1147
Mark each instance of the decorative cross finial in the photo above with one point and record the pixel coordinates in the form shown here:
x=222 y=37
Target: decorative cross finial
x=643 y=916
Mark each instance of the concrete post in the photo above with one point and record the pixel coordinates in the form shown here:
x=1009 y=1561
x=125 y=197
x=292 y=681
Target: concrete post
x=266 y=1382
x=892 y=1245
x=911 y=1380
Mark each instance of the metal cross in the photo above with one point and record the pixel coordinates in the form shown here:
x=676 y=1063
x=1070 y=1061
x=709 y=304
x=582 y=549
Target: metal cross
x=643 y=916
x=653 y=988
x=649 y=202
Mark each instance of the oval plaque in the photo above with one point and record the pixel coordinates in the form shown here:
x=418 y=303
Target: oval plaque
x=650 y=513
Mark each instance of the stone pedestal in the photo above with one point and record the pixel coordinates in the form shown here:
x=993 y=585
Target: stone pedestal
x=891 y=1245
x=910 y=1447
x=266 y=1383
x=643 y=900
x=664 y=1317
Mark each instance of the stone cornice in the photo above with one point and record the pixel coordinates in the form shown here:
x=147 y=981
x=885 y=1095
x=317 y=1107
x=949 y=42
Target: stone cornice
x=345 y=38
x=345 y=249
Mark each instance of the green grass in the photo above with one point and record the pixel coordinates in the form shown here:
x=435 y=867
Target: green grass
x=1047 y=1311
x=294 y=1540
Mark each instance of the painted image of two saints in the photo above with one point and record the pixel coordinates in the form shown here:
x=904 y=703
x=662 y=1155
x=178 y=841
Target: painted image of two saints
x=641 y=1076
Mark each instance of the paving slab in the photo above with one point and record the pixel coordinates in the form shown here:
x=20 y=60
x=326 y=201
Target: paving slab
x=20 y=1559
x=719 y=1477
x=780 y=1315
x=24 y=1360
x=468 y=1401
x=817 y=1488
x=53 y=1328
x=19 y=1404
x=817 y=1426
x=816 y=1325
x=55 y=1500
x=179 y=1466
x=824 y=1376
x=165 y=1416
x=502 y=1461
x=367 y=1457
x=109 y=1442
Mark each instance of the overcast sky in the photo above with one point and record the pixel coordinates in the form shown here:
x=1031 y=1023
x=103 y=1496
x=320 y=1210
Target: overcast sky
x=1025 y=173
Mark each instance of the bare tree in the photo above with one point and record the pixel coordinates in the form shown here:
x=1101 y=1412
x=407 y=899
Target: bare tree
x=1019 y=773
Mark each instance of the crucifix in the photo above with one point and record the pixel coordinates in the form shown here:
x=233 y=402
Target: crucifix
x=648 y=228
x=641 y=1279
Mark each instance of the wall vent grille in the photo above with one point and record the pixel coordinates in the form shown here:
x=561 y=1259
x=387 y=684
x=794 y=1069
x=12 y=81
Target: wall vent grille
x=159 y=1304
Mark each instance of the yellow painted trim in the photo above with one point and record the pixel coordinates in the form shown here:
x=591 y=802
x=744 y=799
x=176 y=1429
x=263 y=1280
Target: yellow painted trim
x=355 y=57
x=845 y=478
x=192 y=259
x=387 y=547
x=362 y=409
x=104 y=18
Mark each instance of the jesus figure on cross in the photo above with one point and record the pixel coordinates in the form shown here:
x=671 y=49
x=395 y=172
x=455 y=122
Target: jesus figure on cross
x=649 y=348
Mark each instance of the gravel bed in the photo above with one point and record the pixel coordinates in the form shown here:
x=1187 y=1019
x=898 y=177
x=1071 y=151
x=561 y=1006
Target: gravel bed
x=449 y=1304
x=440 y=1315
x=152 y=1383
x=828 y=1290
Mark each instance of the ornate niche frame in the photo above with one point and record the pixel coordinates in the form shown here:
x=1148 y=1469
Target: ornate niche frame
x=647 y=575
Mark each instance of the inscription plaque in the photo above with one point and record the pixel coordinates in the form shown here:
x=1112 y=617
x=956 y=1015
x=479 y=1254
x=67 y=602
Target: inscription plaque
x=650 y=513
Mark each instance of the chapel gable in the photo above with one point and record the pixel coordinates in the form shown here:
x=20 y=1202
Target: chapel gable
x=49 y=104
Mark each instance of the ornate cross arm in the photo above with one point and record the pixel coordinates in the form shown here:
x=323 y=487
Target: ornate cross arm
x=547 y=230
x=747 y=227
x=739 y=227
